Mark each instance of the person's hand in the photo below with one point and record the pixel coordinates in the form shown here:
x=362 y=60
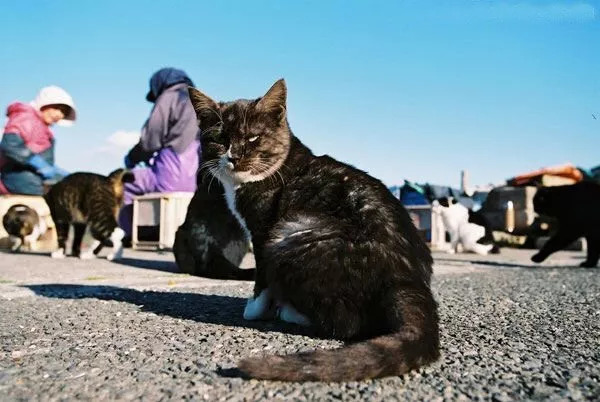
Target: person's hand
x=47 y=172
x=128 y=162
x=41 y=167
x=61 y=172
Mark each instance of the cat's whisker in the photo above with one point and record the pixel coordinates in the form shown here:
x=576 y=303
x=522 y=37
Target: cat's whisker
x=214 y=173
x=283 y=165
x=217 y=113
x=205 y=168
x=212 y=128
x=265 y=169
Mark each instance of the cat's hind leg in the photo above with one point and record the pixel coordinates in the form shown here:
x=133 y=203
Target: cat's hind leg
x=116 y=237
x=104 y=227
x=311 y=261
x=90 y=254
x=481 y=249
x=78 y=232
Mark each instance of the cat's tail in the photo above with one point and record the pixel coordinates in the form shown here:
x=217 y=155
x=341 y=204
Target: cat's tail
x=415 y=344
x=122 y=176
x=118 y=178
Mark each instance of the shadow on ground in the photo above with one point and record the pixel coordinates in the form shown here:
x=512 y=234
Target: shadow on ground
x=165 y=266
x=504 y=264
x=26 y=252
x=212 y=309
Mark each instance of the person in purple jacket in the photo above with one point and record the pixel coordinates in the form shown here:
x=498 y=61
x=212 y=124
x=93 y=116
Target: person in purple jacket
x=169 y=145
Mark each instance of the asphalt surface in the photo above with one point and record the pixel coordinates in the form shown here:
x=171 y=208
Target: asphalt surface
x=96 y=330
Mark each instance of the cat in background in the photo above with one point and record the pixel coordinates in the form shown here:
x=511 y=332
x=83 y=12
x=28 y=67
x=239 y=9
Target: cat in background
x=24 y=226
x=88 y=199
x=210 y=242
x=458 y=221
x=334 y=249
x=576 y=208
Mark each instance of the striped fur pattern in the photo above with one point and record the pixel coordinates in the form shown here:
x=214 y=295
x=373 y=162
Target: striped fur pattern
x=88 y=199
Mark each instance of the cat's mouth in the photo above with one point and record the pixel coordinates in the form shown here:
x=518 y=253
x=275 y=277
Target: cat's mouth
x=229 y=171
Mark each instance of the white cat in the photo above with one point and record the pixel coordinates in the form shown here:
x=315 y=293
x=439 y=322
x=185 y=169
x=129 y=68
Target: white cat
x=456 y=220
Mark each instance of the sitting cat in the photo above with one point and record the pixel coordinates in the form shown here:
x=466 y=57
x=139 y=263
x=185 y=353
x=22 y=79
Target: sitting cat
x=24 y=226
x=83 y=199
x=576 y=208
x=334 y=248
x=457 y=221
x=211 y=243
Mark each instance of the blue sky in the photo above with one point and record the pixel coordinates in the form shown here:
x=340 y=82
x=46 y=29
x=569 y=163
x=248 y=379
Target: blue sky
x=401 y=89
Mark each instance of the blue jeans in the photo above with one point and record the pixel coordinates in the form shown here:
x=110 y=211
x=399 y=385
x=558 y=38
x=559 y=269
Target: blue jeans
x=23 y=182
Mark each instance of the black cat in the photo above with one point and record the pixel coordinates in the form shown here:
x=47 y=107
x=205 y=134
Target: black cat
x=334 y=248
x=478 y=218
x=211 y=243
x=576 y=208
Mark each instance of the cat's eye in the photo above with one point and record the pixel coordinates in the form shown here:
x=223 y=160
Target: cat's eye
x=252 y=139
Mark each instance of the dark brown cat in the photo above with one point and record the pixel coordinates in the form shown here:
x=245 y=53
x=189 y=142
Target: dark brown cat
x=211 y=243
x=334 y=248
x=83 y=199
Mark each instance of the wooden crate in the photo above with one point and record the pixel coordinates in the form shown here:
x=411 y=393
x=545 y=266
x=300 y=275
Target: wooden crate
x=429 y=223
x=163 y=211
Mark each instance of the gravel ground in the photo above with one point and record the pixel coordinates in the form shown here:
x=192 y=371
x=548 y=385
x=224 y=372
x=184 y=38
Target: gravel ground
x=96 y=330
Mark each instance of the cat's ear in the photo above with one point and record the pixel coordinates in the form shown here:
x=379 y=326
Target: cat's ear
x=274 y=100
x=205 y=107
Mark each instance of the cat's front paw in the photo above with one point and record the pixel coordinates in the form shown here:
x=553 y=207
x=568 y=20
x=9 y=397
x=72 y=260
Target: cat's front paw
x=60 y=253
x=88 y=255
x=117 y=255
x=288 y=313
x=16 y=244
x=588 y=264
x=259 y=308
x=451 y=250
x=539 y=257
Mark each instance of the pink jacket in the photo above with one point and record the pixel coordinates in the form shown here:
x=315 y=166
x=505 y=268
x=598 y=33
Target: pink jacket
x=25 y=120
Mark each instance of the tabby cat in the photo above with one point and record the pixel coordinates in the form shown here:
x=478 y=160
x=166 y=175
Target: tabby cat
x=211 y=243
x=83 y=199
x=24 y=226
x=334 y=248
x=576 y=208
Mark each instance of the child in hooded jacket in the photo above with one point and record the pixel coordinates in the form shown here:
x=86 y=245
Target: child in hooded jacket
x=27 y=145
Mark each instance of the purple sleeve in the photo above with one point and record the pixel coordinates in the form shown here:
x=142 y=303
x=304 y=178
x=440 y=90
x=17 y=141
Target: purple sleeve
x=156 y=128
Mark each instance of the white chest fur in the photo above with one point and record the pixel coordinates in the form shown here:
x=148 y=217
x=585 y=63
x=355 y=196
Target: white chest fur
x=230 y=190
